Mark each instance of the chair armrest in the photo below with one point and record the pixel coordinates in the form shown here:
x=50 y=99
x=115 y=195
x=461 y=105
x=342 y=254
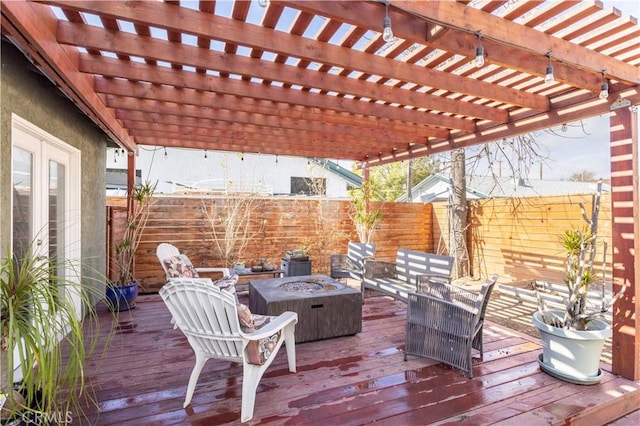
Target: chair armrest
x=225 y=271
x=275 y=325
x=379 y=269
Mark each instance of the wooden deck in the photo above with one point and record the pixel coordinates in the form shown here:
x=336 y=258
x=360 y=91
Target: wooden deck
x=361 y=379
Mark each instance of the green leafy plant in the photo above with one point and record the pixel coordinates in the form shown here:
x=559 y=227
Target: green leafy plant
x=39 y=318
x=364 y=219
x=137 y=216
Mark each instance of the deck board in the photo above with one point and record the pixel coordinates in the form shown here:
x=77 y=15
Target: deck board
x=348 y=380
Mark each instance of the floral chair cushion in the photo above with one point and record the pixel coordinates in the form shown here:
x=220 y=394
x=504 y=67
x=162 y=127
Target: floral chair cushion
x=258 y=351
x=180 y=267
x=227 y=283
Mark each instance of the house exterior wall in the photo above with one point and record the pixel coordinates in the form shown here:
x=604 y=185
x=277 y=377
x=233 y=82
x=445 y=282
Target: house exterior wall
x=32 y=96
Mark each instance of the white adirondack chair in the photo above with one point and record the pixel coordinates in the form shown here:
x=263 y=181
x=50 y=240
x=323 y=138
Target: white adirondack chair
x=208 y=317
x=165 y=251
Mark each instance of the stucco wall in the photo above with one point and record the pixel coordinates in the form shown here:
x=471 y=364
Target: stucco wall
x=32 y=96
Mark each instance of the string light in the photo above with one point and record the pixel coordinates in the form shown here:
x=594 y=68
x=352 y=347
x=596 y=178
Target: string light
x=564 y=127
x=548 y=76
x=263 y=3
x=205 y=154
x=604 y=89
x=165 y=152
x=479 y=61
x=242 y=157
x=387 y=34
x=276 y=158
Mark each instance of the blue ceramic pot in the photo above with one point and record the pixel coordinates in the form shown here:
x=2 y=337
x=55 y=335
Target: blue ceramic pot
x=122 y=298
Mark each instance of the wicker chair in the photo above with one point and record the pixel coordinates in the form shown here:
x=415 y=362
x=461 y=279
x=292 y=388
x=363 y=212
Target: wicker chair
x=444 y=322
x=351 y=265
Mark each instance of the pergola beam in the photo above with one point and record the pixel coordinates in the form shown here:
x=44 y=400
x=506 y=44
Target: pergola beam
x=236 y=32
x=456 y=15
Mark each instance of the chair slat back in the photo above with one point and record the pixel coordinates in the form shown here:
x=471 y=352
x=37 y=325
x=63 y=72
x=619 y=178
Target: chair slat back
x=358 y=251
x=410 y=263
x=206 y=315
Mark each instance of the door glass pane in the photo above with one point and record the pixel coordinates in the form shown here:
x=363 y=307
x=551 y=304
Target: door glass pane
x=22 y=179
x=57 y=215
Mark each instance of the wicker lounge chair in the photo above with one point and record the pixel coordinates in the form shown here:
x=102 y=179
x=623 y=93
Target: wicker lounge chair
x=444 y=322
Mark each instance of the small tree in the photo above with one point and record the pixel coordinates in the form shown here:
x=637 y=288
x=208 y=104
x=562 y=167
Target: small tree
x=232 y=225
x=363 y=218
x=137 y=217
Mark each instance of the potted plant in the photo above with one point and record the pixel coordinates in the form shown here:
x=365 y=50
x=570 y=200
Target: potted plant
x=363 y=218
x=39 y=314
x=122 y=292
x=573 y=338
x=298 y=255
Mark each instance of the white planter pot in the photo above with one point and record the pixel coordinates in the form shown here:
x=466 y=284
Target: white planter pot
x=572 y=355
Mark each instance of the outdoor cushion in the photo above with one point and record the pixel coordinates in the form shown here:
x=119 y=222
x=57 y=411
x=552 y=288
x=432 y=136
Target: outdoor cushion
x=258 y=351
x=227 y=283
x=180 y=267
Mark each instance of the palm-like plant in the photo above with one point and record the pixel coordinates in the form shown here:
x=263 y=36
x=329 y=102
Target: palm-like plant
x=137 y=217
x=580 y=246
x=38 y=315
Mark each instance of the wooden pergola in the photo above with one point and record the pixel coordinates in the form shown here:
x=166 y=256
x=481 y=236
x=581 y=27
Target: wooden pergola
x=318 y=79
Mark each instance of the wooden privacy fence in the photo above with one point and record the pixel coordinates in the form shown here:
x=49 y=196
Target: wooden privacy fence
x=515 y=237
x=277 y=225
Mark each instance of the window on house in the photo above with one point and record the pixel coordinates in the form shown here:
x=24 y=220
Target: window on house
x=308 y=186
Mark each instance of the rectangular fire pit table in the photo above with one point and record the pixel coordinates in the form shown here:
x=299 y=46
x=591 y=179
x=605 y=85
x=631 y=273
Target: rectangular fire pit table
x=326 y=308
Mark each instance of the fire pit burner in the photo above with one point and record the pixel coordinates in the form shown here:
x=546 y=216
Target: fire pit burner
x=312 y=286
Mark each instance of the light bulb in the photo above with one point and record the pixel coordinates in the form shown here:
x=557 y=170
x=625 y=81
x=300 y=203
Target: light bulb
x=479 y=61
x=387 y=34
x=564 y=127
x=263 y=3
x=604 y=90
x=548 y=77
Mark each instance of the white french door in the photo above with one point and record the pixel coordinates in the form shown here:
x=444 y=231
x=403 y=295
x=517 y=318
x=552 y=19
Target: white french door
x=46 y=199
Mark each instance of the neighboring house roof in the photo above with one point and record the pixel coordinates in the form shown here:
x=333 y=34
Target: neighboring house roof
x=436 y=188
x=333 y=167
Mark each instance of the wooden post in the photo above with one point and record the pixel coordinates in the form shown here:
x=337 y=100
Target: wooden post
x=625 y=201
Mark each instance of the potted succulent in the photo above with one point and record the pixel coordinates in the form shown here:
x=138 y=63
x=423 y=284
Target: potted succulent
x=122 y=292
x=298 y=255
x=573 y=338
x=39 y=314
